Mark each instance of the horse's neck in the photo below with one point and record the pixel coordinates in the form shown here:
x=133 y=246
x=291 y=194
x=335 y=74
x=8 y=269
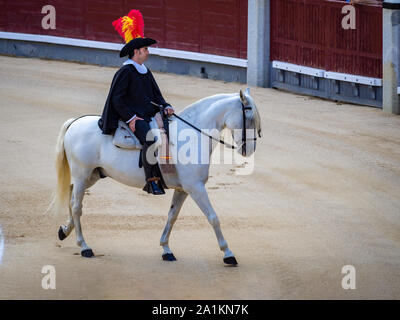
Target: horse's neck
x=210 y=113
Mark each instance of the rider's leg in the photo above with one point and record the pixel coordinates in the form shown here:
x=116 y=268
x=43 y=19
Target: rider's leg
x=149 y=161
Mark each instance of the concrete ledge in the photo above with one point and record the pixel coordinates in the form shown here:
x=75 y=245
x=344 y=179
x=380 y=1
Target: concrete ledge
x=326 y=74
x=299 y=69
x=110 y=58
x=106 y=54
x=353 y=78
x=170 y=53
x=60 y=40
x=323 y=87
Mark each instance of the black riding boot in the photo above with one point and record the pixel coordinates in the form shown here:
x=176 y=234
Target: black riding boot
x=153 y=183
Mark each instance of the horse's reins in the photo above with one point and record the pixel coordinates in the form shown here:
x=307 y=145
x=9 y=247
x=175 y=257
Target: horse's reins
x=244 y=138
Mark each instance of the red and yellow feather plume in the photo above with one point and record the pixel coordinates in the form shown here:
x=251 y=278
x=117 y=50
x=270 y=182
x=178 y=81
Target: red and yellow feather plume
x=131 y=26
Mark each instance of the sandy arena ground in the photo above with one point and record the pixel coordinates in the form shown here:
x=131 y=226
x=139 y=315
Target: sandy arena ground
x=325 y=193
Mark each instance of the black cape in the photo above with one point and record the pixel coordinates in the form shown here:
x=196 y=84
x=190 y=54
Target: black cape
x=131 y=93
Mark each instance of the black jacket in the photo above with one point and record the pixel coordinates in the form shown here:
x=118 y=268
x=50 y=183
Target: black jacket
x=130 y=94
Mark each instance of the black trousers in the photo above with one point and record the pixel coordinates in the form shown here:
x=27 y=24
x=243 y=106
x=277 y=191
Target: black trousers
x=151 y=169
x=142 y=127
x=149 y=160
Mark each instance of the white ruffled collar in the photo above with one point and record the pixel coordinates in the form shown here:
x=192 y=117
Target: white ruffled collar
x=141 y=68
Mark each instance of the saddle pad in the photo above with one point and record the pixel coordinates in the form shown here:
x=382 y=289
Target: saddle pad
x=124 y=137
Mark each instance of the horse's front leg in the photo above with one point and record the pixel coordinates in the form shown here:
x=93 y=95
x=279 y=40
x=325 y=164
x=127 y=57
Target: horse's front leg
x=200 y=196
x=176 y=205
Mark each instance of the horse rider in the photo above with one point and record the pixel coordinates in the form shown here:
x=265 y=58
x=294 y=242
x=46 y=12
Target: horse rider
x=133 y=89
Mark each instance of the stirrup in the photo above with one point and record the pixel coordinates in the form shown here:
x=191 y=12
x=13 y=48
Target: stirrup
x=153 y=187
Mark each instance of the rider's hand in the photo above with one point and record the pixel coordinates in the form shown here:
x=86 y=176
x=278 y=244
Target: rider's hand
x=133 y=122
x=169 y=111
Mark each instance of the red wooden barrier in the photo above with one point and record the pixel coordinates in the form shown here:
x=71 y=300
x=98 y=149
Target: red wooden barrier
x=207 y=26
x=309 y=33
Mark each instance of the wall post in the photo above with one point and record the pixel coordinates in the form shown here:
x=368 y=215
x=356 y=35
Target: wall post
x=391 y=56
x=258 y=43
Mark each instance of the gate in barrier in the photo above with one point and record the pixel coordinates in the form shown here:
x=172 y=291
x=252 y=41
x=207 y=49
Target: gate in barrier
x=312 y=53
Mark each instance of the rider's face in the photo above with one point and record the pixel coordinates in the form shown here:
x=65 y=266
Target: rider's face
x=141 y=55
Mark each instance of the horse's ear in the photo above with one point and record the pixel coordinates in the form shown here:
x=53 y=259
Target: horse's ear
x=243 y=98
x=247 y=91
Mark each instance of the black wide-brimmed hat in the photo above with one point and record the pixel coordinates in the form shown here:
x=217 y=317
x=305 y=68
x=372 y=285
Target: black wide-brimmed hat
x=136 y=44
x=131 y=29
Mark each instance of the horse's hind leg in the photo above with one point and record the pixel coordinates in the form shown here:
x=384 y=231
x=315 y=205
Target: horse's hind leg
x=176 y=205
x=78 y=192
x=65 y=231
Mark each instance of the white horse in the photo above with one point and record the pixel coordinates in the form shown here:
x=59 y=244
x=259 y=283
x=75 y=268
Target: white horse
x=84 y=155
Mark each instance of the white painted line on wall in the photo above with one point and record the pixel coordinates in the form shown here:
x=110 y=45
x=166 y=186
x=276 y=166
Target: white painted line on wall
x=297 y=68
x=1 y=245
x=60 y=40
x=169 y=53
x=326 y=74
x=196 y=56
x=353 y=78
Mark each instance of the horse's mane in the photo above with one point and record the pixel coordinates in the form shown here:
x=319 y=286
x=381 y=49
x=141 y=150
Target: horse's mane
x=210 y=100
x=257 y=119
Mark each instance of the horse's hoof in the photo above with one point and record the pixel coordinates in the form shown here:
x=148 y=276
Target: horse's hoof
x=231 y=261
x=88 y=253
x=61 y=234
x=168 y=257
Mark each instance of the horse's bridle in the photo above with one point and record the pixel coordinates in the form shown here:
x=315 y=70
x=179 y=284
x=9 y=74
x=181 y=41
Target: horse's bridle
x=244 y=137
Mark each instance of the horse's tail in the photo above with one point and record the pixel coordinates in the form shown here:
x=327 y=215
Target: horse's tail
x=63 y=192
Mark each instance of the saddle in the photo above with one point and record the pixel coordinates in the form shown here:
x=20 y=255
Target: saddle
x=125 y=138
